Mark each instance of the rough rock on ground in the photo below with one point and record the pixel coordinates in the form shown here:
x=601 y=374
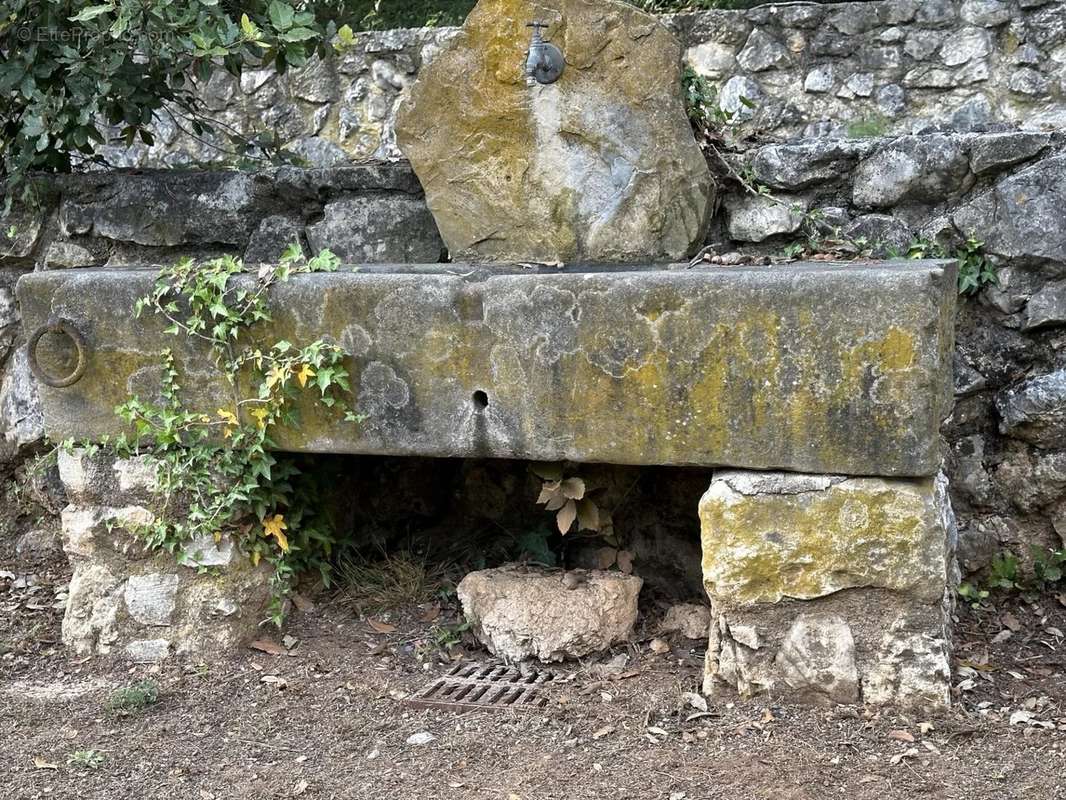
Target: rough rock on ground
x=524 y=612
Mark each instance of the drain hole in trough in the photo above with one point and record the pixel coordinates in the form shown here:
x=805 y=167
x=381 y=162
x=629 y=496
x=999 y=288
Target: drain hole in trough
x=481 y=400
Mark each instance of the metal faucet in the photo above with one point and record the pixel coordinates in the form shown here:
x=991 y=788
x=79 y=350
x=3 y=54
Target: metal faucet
x=544 y=62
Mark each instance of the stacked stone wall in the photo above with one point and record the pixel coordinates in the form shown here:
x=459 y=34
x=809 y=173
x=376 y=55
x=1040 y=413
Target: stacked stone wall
x=949 y=161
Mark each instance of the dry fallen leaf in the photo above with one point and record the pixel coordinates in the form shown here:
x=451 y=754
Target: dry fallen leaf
x=430 y=613
x=566 y=516
x=603 y=732
x=268 y=646
x=910 y=752
x=380 y=627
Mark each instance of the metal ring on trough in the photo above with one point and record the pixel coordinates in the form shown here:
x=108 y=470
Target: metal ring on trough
x=60 y=327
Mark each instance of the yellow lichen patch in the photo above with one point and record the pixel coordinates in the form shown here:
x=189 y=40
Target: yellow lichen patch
x=805 y=542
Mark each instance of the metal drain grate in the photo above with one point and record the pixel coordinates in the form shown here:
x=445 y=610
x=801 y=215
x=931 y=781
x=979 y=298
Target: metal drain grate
x=470 y=686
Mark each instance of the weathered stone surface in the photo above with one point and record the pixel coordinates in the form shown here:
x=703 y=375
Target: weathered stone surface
x=21 y=420
x=271 y=238
x=998 y=150
x=829 y=589
x=361 y=230
x=817 y=659
x=883 y=234
x=771 y=536
x=689 y=619
x=1035 y=411
x=755 y=217
x=150 y=598
x=762 y=52
x=1021 y=217
x=129 y=601
x=754 y=366
x=521 y=613
x=791 y=167
x=600 y=166
x=36 y=542
x=167 y=209
x=1047 y=307
x=912 y=168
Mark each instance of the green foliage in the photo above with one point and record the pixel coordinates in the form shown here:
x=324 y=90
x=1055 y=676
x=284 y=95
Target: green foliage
x=133 y=698
x=68 y=70
x=1003 y=572
x=1005 y=575
x=975 y=270
x=86 y=759
x=867 y=127
x=535 y=546
x=217 y=473
x=707 y=118
x=1048 y=566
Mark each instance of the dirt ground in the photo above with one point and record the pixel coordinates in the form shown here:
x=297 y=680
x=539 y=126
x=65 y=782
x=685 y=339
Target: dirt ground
x=328 y=719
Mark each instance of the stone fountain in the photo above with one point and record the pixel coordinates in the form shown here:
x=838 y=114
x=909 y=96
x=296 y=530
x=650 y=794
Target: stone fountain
x=568 y=329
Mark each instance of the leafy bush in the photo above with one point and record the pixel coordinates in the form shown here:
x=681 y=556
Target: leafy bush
x=69 y=69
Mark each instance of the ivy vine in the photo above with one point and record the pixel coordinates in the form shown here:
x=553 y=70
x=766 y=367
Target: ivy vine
x=219 y=475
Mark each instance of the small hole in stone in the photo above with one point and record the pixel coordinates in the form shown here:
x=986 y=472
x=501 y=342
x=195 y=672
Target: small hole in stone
x=481 y=400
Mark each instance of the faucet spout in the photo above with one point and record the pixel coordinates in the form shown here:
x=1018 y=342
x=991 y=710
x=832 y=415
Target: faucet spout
x=544 y=61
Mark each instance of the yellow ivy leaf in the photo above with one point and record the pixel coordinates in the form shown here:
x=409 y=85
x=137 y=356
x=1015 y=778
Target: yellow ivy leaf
x=276 y=375
x=274 y=526
x=227 y=416
x=304 y=373
x=260 y=415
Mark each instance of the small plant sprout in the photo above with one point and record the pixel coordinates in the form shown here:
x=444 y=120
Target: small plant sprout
x=133 y=698
x=566 y=497
x=86 y=759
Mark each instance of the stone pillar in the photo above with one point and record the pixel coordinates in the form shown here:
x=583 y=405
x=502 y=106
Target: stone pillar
x=144 y=605
x=829 y=589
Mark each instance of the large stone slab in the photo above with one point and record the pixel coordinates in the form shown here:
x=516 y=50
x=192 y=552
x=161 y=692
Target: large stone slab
x=830 y=589
x=599 y=166
x=819 y=368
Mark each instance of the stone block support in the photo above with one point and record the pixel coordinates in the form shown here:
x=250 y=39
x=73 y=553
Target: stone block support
x=126 y=600
x=829 y=589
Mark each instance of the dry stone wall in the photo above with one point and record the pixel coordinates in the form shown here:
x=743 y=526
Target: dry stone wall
x=807 y=69
x=966 y=99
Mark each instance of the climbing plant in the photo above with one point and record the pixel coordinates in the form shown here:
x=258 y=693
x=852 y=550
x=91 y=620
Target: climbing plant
x=217 y=474
x=73 y=70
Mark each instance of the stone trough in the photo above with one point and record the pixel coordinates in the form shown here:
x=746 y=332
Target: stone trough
x=823 y=370
x=816 y=390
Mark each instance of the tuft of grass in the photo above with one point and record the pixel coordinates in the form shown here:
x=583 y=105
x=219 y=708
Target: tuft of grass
x=391 y=581
x=86 y=759
x=133 y=698
x=867 y=128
